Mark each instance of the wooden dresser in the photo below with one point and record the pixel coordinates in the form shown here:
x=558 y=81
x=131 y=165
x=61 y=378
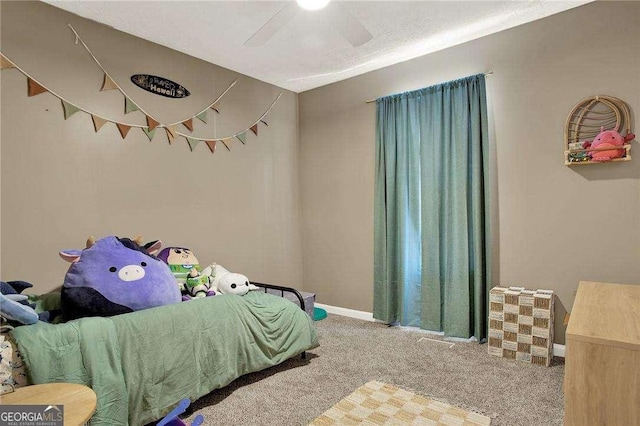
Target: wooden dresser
x=602 y=364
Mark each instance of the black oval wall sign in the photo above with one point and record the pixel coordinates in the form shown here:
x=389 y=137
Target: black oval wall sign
x=159 y=86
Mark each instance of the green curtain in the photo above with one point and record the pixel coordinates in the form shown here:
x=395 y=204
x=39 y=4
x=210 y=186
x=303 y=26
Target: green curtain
x=431 y=218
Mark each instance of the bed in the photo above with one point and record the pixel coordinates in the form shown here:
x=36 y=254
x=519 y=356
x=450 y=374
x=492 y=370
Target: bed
x=142 y=364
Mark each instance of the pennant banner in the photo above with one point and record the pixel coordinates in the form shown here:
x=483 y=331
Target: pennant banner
x=192 y=143
x=149 y=133
x=5 y=64
x=151 y=123
x=69 y=109
x=202 y=116
x=98 y=122
x=35 y=88
x=124 y=129
x=171 y=133
x=108 y=84
x=188 y=124
x=242 y=137
x=129 y=106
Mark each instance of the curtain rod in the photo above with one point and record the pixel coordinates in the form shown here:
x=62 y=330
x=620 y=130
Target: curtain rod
x=373 y=100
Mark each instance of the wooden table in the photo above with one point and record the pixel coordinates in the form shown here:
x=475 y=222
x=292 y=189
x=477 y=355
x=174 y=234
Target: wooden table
x=602 y=364
x=79 y=401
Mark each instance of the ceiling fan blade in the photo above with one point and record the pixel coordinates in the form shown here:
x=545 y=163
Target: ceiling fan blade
x=347 y=25
x=273 y=25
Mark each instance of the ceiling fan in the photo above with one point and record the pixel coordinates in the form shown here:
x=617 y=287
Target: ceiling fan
x=341 y=19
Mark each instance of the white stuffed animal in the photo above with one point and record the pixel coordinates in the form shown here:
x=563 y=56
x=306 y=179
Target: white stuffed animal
x=227 y=282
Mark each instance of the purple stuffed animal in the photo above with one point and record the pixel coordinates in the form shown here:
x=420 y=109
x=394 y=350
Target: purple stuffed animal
x=115 y=276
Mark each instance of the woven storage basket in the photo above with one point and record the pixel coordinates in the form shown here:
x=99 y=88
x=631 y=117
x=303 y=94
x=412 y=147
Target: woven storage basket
x=521 y=324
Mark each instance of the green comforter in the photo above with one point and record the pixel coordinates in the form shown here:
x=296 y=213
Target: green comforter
x=142 y=364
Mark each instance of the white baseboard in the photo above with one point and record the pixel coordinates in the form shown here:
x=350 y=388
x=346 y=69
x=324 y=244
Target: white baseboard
x=367 y=316
x=558 y=350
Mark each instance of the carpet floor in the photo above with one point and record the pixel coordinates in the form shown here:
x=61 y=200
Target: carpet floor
x=353 y=352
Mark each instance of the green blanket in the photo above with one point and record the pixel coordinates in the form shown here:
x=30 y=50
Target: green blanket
x=142 y=364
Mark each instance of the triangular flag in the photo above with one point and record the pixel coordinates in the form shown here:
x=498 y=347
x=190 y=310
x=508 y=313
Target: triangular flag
x=35 y=88
x=148 y=132
x=124 y=129
x=171 y=132
x=69 y=109
x=254 y=129
x=212 y=146
x=225 y=145
x=129 y=106
x=98 y=122
x=202 y=116
x=188 y=124
x=264 y=122
x=192 y=143
x=242 y=137
x=5 y=64
x=108 y=84
x=215 y=109
x=151 y=123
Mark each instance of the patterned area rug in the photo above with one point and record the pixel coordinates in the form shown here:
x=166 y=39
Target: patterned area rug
x=376 y=403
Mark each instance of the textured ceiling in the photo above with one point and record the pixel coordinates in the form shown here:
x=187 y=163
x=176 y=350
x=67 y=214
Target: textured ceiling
x=308 y=52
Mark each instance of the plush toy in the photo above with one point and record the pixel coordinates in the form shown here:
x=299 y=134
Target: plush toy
x=114 y=276
x=11 y=309
x=607 y=139
x=231 y=283
x=198 y=285
x=13 y=289
x=193 y=281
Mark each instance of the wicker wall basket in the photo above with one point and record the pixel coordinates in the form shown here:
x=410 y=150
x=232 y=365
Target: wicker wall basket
x=584 y=122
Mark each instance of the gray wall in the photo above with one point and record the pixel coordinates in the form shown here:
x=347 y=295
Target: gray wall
x=554 y=225
x=62 y=182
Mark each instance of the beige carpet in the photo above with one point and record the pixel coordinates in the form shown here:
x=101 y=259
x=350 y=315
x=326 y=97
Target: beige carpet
x=376 y=403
